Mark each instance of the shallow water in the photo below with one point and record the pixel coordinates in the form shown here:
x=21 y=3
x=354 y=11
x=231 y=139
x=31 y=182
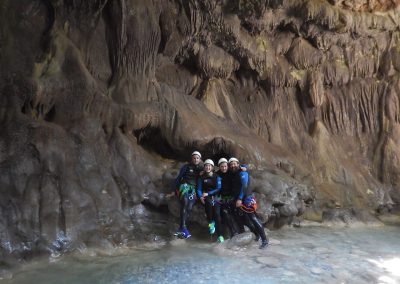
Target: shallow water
x=296 y=255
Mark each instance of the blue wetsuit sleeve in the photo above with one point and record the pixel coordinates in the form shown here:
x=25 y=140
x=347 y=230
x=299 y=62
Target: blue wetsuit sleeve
x=180 y=175
x=199 y=188
x=244 y=178
x=217 y=188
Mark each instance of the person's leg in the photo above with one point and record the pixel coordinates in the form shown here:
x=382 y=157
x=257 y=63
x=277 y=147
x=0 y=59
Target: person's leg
x=232 y=213
x=239 y=218
x=184 y=202
x=259 y=228
x=217 y=218
x=187 y=203
x=227 y=217
x=209 y=209
x=249 y=223
x=209 y=213
x=190 y=205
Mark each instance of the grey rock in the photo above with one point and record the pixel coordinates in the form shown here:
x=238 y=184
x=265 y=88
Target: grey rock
x=241 y=240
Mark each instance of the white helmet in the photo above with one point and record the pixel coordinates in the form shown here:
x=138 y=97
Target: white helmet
x=196 y=153
x=233 y=160
x=222 y=160
x=209 y=161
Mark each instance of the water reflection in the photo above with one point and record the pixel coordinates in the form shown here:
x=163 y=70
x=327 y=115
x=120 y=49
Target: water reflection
x=391 y=267
x=304 y=255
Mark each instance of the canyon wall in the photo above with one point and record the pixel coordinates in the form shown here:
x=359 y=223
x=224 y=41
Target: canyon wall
x=102 y=101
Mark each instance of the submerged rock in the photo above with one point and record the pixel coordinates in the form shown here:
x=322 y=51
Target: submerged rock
x=240 y=240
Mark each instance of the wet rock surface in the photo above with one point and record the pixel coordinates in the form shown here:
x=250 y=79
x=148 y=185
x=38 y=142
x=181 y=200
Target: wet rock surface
x=240 y=240
x=101 y=101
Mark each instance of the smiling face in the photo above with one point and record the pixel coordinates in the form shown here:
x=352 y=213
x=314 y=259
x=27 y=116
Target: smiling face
x=223 y=167
x=208 y=168
x=234 y=166
x=195 y=159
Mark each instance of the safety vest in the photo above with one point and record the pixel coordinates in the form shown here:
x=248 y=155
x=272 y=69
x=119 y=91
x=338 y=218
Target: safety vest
x=209 y=182
x=191 y=174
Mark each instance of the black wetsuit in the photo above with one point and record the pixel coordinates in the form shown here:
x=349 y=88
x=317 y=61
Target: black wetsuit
x=241 y=191
x=188 y=175
x=227 y=202
x=212 y=186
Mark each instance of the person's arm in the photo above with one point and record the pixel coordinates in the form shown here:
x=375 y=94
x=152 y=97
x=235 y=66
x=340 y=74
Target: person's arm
x=180 y=175
x=244 y=179
x=199 y=188
x=217 y=188
x=177 y=182
x=168 y=195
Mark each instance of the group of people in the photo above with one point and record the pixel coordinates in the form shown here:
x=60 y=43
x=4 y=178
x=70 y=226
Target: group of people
x=225 y=193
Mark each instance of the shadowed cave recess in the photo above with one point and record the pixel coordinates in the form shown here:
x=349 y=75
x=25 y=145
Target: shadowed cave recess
x=101 y=101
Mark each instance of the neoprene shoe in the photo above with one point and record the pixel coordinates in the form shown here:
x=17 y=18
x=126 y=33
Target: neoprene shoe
x=264 y=244
x=178 y=233
x=185 y=234
x=211 y=228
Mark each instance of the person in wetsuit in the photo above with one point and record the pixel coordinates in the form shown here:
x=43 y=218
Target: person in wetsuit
x=185 y=186
x=245 y=202
x=208 y=188
x=227 y=201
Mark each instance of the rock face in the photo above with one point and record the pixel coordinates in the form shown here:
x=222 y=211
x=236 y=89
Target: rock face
x=101 y=100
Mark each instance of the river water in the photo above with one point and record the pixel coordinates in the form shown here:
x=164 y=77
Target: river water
x=295 y=255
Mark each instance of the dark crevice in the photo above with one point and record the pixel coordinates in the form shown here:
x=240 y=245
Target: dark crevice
x=39 y=111
x=163 y=37
x=152 y=140
x=50 y=115
x=25 y=108
x=104 y=127
x=274 y=4
x=46 y=37
x=218 y=148
x=111 y=28
x=202 y=89
x=162 y=208
x=250 y=28
x=126 y=198
x=190 y=65
x=123 y=129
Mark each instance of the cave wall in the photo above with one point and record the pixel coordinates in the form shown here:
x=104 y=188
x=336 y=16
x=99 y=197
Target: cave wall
x=99 y=99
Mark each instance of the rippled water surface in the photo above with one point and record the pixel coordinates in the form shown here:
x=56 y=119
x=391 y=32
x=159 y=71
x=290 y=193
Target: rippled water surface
x=302 y=255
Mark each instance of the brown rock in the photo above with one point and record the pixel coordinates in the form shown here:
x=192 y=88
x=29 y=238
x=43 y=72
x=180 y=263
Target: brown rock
x=101 y=102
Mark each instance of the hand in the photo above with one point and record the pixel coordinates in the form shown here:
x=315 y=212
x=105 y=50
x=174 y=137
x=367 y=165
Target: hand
x=205 y=194
x=168 y=195
x=238 y=203
x=243 y=169
x=202 y=199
